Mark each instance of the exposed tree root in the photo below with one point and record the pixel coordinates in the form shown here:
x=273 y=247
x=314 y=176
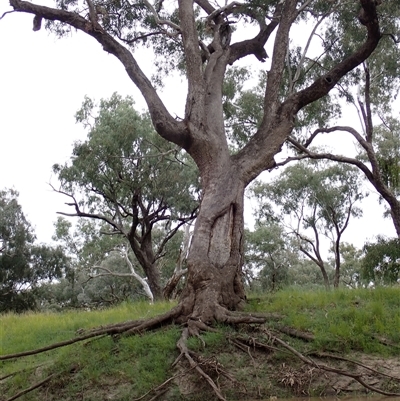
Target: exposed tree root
x=311 y=362
x=185 y=353
x=292 y=332
x=127 y=328
x=49 y=347
x=341 y=358
x=193 y=328
x=243 y=344
x=223 y=315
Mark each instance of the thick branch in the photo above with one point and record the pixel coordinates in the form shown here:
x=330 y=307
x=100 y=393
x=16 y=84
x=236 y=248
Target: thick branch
x=164 y=123
x=274 y=76
x=193 y=60
x=278 y=121
x=324 y=84
x=205 y=5
x=256 y=45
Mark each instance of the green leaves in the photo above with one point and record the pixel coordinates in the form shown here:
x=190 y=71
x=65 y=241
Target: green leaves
x=313 y=200
x=381 y=262
x=387 y=148
x=122 y=159
x=269 y=254
x=23 y=264
x=328 y=189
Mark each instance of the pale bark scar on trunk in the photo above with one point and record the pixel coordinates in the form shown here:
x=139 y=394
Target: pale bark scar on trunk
x=221 y=237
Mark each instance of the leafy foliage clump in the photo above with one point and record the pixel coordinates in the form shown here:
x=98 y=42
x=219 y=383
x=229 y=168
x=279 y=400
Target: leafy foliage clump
x=381 y=263
x=24 y=265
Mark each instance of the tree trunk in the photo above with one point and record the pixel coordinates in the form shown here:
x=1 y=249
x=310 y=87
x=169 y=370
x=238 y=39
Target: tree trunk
x=326 y=278
x=336 y=279
x=214 y=282
x=395 y=214
x=145 y=255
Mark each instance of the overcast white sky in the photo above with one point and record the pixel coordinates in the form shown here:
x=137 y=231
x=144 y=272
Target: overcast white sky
x=43 y=83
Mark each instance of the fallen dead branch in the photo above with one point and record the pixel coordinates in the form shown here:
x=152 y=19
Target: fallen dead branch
x=34 y=387
x=159 y=389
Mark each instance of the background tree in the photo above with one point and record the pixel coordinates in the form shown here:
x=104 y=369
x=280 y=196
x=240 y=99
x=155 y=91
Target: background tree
x=103 y=270
x=132 y=179
x=350 y=265
x=316 y=201
x=304 y=275
x=378 y=140
x=24 y=265
x=381 y=262
x=269 y=256
x=200 y=37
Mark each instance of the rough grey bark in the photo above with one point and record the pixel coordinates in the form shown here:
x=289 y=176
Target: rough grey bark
x=214 y=284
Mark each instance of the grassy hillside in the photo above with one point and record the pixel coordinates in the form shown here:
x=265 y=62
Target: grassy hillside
x=363 y=324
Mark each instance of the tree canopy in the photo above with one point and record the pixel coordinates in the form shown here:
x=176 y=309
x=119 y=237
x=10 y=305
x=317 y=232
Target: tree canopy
x=381 y=262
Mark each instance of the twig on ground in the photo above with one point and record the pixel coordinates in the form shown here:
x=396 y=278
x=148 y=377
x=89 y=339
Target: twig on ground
x=159 y=394
x=159 y=387
x=246 y=348
x=34 y=387
x=385 y=341
x=21 y=371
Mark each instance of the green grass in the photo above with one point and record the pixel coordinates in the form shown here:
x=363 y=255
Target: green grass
x=134 y=360
x=126 y=368
x=341 y=320
x=34 y=330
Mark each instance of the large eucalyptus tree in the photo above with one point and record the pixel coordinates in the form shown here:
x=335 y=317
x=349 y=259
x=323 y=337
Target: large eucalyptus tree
x=203 y=38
